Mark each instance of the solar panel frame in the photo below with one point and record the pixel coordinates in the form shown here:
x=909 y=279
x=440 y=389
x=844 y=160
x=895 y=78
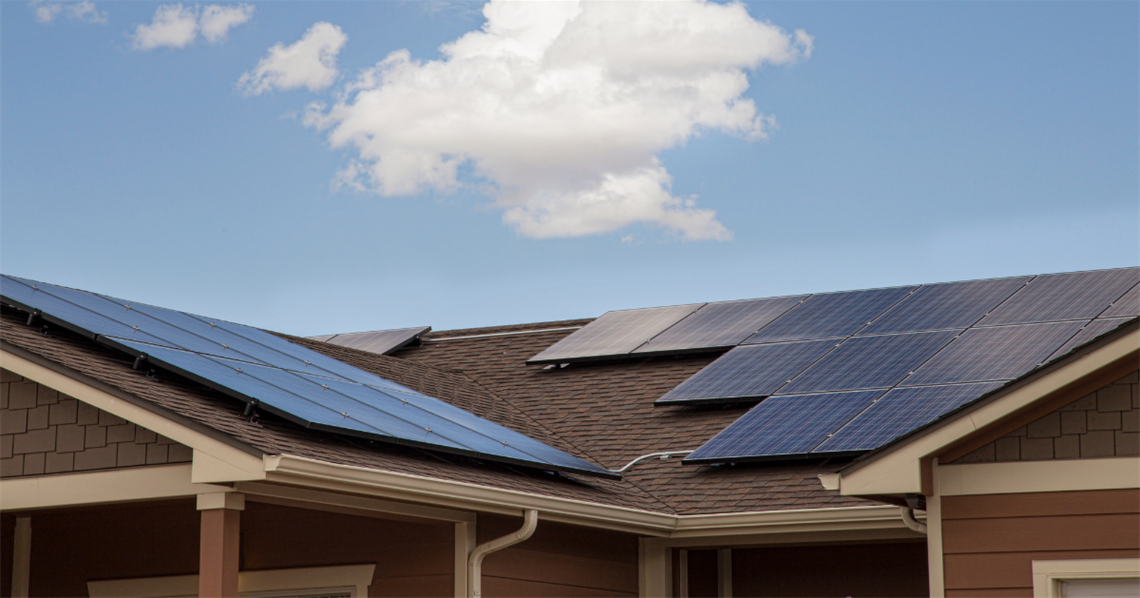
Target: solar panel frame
x=898 y=412
x=782 y=427
x=1067 y=296
x=866 y=362
x=1127 y=306
x=381 y=342
x=829 y=315
x=615 y=334
x=296 y=368
x=946 y=306
x=1089 y=332
x=719 y=325
x=994 y=353
x=753 y=371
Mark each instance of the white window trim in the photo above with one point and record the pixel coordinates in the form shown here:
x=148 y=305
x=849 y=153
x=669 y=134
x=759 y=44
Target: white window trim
x=1048 y=575
x=353 y=579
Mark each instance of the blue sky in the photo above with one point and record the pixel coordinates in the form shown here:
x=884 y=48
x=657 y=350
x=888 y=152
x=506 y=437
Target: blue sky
x=913 y=142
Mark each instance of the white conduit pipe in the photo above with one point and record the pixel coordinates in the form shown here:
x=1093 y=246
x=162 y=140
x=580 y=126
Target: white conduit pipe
x=475 y=561
x=911 y=522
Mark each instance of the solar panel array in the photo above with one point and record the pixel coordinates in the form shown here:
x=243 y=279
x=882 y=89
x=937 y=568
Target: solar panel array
x=287 y=380
x=924 y=350
x=383 y=342
x=614 y=334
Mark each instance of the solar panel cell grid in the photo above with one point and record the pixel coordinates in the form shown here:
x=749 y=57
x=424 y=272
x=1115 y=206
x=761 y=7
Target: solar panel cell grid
x=946 y=306
x=1126 y=306
x=1072 y=296
x=870 y=362
x=615 y=333
x=784 y=425
x=1000 y=353
x=381 y=342
x=898 y=412
x=830 y=315
x=749 y=371
x=723 y=324
x=1094 y=329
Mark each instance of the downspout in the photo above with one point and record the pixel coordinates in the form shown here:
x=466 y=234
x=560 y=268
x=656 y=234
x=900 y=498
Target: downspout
x=475 y=561
x=911 y=522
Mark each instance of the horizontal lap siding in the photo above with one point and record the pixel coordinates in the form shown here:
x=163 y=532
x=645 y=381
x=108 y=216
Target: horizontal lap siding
x=991 y=541
x=558 y=560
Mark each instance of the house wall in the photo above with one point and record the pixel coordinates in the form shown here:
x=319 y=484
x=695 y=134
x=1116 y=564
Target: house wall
x=1105 y=423
x=884 y=569
x=558 y=560
x=43 y=431
x=990 y=541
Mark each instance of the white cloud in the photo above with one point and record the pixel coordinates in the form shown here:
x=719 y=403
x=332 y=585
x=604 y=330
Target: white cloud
x=217 y=20
x=46 y=12
x=177 y=26
x=310 y=62
x=562 y=107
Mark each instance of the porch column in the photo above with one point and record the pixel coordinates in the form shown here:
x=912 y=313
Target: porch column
x=219 y=544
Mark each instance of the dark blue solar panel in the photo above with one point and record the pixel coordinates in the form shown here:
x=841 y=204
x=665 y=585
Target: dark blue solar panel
x=1000 y=353
x=615 y=333
x=1094 y=329
x=830 y=315
x=1126 y=306
x=723 y=324
x=294 y=382
x=898 y=412
x=870 y=362
x=382 y=342
x=1073 y=296
x=748 y=371
x=785 y=425
x=946 y=306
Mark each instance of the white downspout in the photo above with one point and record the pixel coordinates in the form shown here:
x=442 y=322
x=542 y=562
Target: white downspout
x=911 y=522
x=475 y=561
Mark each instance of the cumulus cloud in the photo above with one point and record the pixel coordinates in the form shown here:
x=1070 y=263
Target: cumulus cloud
x=46 y=12
x=177 y=26
x=309 y=62
x=563 y=108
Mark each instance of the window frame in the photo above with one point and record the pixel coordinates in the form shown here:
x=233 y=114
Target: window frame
x=1048 y=574
x=266 y=583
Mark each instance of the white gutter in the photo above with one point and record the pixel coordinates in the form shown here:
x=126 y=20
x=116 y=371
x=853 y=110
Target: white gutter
x=475 y=561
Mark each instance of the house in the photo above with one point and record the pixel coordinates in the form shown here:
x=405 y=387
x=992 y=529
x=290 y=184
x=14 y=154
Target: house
x=135 y=464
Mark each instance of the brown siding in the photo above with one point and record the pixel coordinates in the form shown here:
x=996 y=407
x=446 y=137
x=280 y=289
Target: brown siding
x=889 y=569
x=990 y=541
x=43 y=432
x=1103 y=423
x=559 y=560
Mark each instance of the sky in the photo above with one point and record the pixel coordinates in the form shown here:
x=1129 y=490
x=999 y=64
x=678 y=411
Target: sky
x=325 y=167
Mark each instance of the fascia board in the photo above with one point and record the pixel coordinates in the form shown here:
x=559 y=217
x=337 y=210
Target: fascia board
x=222 y=452
x=898 y=470
x=153 y=482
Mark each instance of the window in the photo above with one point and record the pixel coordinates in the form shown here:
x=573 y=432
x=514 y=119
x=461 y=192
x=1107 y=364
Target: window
x=1078 y=578
x=349 y=581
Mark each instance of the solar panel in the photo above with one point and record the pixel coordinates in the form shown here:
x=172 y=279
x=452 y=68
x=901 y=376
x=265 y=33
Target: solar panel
x=830 y=315
x=286 y=379
x=615 y=333
x=382 y=342
x=898 y=412
x=870 y=362
x=1072 y=296
x=748 y=371
x=1094 y=329
x=784 y=425
x=945 y=306
x=723 y=324
x=1126 y=306
x=998 y=353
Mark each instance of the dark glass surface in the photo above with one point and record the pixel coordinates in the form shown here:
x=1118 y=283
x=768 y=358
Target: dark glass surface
x=900 y=411
x=784 y=425
x=830 y=315
x=1072 y=296
x=945 y=306
x=382 y=342
x=615 y=333
x=870 y=362
x=1094 y=329
x=1126 y=306
x=723 y=324
x=1001 y=353
x=749 y=371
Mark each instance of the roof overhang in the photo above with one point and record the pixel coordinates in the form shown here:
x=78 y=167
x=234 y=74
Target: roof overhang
x=903 y=467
